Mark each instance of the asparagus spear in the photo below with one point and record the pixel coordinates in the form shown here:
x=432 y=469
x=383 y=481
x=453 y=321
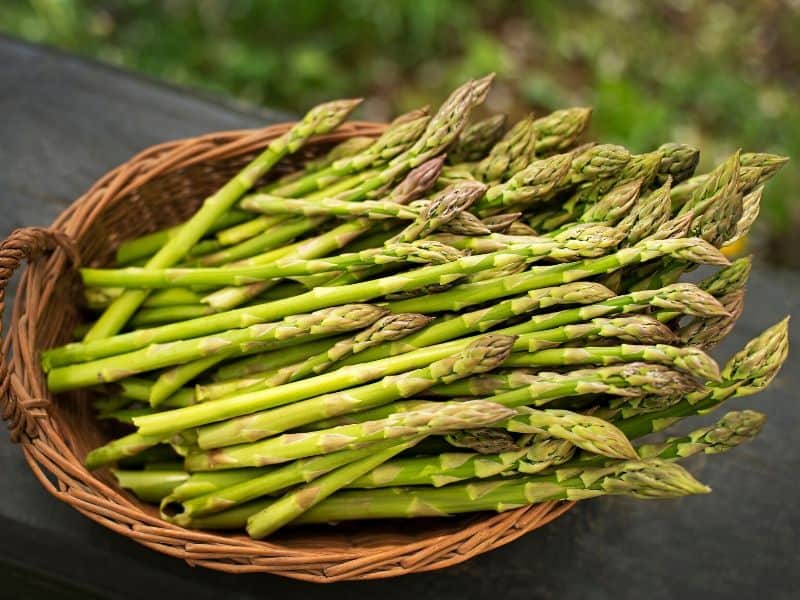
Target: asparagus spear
x=544 y=452
x=242 y=485
x=640 y=479
x=421 y=251
x=583 y=431
x=680 y=298
x=747 y=372
x=636 y=328
x=648 y=215
x=691 y=360
x=465 y=223
x=648 y=479
x=438 y=417
x=390 y=327
x=678 y=162
x=557 y=131
x=683 y=298
x=416 y=182
x=534 y=182
x=397 y=138
x=476 y=140
x=500 y=223
x=319 y=120
x=272 y=360
x=476 y=321
x=481 y=355
x=756 y=168
x=735 y=428
x=442 y=208
x=457 y=298
x=540 y=452
x=688 y=249
x=295 y=502
x=372 y=209
x=147 y=245
x=509 y=155
x=290 y=330
x=751 y=206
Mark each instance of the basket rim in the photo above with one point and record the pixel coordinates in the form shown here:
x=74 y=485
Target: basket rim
x=25 y=404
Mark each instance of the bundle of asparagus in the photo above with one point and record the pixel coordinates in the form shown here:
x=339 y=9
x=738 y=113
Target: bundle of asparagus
x=467 y=318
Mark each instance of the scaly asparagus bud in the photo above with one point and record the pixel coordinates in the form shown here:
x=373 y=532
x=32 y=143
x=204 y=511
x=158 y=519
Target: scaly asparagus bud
x=678 y=161
x=558 y=131
x=500 y=223
x=465 y=223
x=534 y=182
x=444 y=206
x=511 y=154
x=586 y=432
x=648 y=215
x=751 y=206
x=477 y=139
x=614 y=205
x=598 y=162
x=721 y=182
x=707 y=333
x=729 y=279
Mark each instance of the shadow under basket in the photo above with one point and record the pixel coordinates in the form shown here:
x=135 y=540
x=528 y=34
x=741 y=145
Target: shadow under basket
x=159 y=187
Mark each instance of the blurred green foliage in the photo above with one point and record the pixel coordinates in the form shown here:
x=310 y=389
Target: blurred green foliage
x=718 y=74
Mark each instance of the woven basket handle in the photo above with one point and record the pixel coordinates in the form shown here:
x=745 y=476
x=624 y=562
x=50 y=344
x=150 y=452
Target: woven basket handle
x=28 y=243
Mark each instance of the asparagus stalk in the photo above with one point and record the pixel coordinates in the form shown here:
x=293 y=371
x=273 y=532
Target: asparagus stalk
x=583 y=431
x=544 y=452
x=688 y=249
x=465 y=223
x=289 y=331
x=482 y=355
x=267 y=361
x=319 y=120
x=585 y=240
x=147 y=245
x=683 y=298
x=416 y=182
x=443 y=207
x=398 y=138
x=461 y=296
x=372 y=209
x=648 y=215
x=751 y=206
x=648 y=479
x=735 y=428
x=241 y=485
x=295 y=502
x=639 y=479
x=150 y=486
x=390 y=327
x=540 y=453
x=416 y=252
x=436 y=418
x=691 y=360
x=534 y=182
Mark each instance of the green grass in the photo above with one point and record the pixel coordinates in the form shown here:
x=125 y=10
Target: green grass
x=719 y=74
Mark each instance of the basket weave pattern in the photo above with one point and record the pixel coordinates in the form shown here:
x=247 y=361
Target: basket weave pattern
x=159 y=187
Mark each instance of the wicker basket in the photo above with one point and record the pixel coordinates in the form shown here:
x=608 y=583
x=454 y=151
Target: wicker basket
x=159 y=187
